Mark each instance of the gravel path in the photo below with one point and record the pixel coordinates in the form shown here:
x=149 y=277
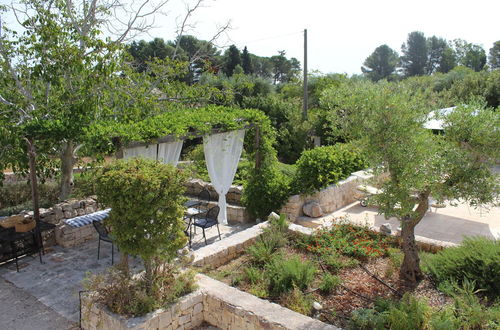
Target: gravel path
x=22 y=311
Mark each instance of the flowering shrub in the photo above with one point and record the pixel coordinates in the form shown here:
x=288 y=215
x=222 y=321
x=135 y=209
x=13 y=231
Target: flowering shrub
x=349 y=240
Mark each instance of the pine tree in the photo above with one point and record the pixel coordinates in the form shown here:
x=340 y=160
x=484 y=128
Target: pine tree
x=246 y=61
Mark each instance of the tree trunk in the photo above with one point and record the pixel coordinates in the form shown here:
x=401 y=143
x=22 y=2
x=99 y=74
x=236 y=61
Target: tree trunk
x=148 y=268
x=68 y=160
x=33 y=180
x=410 y=269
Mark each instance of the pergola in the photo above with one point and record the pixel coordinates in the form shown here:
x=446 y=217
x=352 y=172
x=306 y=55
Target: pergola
x=222 y=129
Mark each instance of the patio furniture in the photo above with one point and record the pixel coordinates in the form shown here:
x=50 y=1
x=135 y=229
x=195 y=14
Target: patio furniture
x=205 y=221
x=87 y=219
x=17 y=244
x=103 y=236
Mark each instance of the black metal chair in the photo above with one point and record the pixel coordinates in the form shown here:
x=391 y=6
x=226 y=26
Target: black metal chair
x=204 y=200
x=104 y=236
x=207 y=220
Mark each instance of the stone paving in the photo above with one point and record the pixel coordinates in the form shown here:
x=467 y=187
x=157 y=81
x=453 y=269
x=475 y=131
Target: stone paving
x=57 y=282
x=449 y=224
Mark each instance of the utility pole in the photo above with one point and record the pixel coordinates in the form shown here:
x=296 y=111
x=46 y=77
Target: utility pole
x=304 y=106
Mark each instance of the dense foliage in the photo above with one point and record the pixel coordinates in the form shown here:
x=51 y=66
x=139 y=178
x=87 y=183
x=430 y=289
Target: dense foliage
x=146 y=200
x=475 y=260
x=319 y=167
x=146 y=220
x=16 y=197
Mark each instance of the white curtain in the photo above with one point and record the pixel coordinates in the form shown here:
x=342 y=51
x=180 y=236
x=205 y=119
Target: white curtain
x=169 y=153
x=143 y=151
x=222 y=154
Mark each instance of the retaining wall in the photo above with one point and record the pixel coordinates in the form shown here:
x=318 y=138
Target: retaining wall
x=330 y=199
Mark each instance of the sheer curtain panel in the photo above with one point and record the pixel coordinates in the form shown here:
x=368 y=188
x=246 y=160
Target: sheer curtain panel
x=222 y=154
x=169 y=153
x=144 y=152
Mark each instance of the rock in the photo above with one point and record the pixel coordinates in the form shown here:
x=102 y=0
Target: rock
x=317 y=306
x=312 y=209
x=66 y=207
x=386 y=228
x=273 y=216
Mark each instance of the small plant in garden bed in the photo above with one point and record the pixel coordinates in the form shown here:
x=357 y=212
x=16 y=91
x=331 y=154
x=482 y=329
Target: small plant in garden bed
x=349 y=240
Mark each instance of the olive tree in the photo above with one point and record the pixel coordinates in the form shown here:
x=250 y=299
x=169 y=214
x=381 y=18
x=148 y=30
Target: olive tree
x=388 y=121
x=146 y=200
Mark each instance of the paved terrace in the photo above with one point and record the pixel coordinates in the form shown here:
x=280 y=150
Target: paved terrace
x=449 y=224
x=45 y=296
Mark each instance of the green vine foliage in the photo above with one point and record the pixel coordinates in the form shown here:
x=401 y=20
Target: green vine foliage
x=266 y=188
x=146 y=200
x=177 y=120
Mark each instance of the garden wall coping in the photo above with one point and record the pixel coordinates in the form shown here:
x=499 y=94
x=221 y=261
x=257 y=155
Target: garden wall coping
x=229 y=308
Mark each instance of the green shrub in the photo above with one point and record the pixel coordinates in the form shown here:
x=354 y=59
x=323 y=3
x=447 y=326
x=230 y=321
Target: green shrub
x=265 y=247
x=329 y=282
x=366 y=319
x=146 y=200
x=265 y=191
x=16 y=197
x=476 y=259
x=284 y=274
x=409 y=313
x=253 y=275
x=469 y=311
x=298 y=301
x=319 y=167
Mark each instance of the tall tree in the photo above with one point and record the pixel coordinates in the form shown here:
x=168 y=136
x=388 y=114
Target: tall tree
x=421 y=165
x=231 y=60
x=284 y=70
x=58 y=69
x=381 y=64
x=448 y=60
x=246 y=61
x=414 y=59
x=440 y=56
x=470 y=55
x=494 y=58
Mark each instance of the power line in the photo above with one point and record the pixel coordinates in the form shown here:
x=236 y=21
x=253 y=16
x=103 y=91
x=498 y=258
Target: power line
x=270 y=38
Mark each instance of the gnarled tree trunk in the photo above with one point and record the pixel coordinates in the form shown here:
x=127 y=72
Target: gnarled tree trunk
x=68 y=160
x=410 y=268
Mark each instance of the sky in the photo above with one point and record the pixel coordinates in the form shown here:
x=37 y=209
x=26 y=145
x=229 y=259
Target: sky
x=341 y=34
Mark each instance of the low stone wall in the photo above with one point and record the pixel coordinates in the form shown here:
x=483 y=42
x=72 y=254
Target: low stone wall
x=330 y=199
x=187 y=313
x=221 y=252
x=195 y=186
x=229 y=308
x=63 y=234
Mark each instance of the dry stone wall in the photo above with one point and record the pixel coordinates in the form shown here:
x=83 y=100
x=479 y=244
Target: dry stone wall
x=64 y=234
x=330 y=199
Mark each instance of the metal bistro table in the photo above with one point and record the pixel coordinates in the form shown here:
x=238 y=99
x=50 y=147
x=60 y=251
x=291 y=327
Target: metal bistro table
x=16 y=244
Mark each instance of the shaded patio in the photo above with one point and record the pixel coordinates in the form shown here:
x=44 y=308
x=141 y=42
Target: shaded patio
x=57 y=282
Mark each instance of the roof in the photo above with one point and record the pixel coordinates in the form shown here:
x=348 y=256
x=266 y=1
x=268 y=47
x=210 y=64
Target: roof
x=434 y=120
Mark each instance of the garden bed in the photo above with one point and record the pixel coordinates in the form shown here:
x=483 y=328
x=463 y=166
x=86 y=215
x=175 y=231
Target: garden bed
x=334 y=275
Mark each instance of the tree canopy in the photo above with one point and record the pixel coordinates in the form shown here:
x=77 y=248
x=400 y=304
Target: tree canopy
x=381 y=64
x=388 y=123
